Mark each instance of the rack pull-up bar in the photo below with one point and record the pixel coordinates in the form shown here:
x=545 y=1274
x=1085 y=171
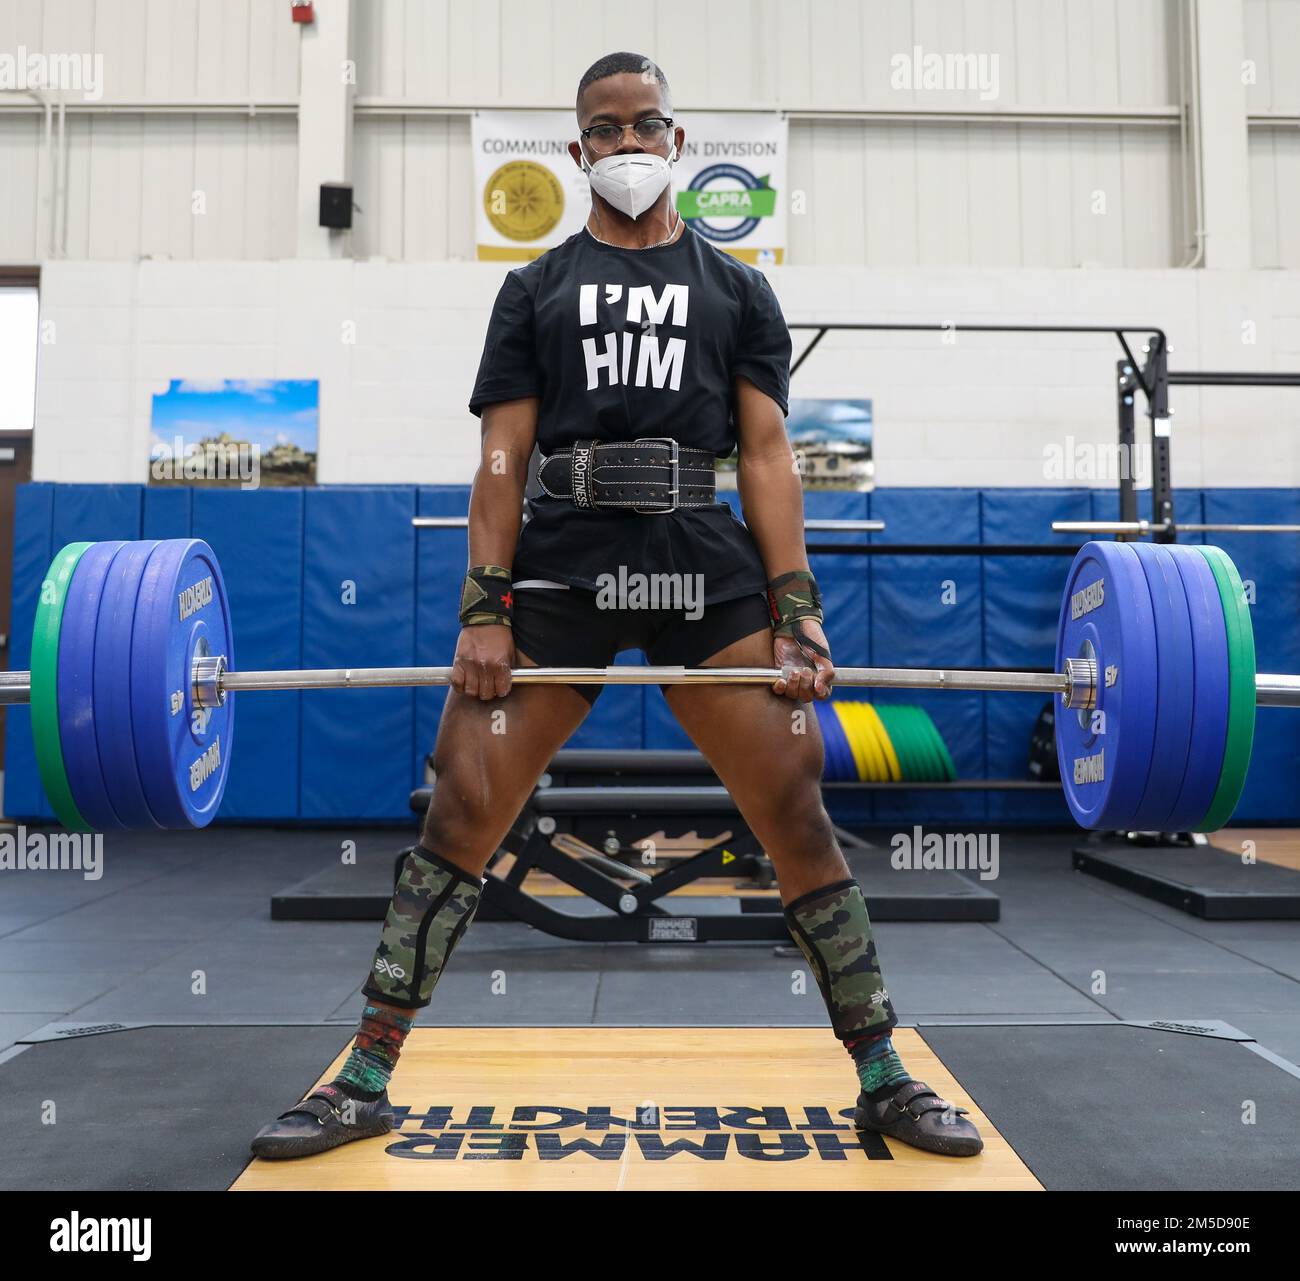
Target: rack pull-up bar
x=823 y=328
x=1232 y=378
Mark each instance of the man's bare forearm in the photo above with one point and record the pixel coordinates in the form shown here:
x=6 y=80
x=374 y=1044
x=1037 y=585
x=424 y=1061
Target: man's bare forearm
x=497 y=497
x=771 y=492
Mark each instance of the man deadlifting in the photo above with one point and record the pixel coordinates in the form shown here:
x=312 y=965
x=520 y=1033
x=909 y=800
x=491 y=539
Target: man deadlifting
x=632 y=355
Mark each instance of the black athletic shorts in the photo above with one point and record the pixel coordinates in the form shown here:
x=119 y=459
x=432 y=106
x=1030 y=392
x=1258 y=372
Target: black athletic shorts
x=563 y=627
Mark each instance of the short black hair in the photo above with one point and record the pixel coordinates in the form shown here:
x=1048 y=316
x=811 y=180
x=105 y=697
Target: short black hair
x=616 y=64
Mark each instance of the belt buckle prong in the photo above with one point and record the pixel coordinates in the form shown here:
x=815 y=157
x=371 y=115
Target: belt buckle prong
x=675 y=472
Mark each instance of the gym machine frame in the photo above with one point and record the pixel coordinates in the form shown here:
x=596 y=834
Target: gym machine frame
x=1152 y=377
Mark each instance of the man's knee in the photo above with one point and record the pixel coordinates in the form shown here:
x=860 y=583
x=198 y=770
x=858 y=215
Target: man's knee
x=794 y=797
x=462 y=822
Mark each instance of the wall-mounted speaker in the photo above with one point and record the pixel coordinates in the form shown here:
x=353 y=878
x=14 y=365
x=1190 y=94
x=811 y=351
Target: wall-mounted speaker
x=336 y=205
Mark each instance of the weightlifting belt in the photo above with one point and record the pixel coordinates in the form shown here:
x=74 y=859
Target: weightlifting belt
x=652 y=475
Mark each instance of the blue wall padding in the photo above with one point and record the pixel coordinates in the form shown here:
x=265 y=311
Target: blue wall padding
x=167 y=512
x=257 y=537
x=661 y=727
x=912 y=626
x=33 y=551
x=357 y=745
x=334 y=755
x=441 y=561
x=96 y=513
x=844 y=580
x=618 y=718
x=1021 y=605
x=1270 y=567
x=1189 y=505
x=844 y=586
x=845 y=583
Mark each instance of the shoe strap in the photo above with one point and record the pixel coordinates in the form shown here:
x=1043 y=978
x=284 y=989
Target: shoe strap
x=319 y=1104
x=916 y=1099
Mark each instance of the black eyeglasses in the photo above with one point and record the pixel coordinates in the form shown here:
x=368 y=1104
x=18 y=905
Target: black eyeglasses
x=649 y=132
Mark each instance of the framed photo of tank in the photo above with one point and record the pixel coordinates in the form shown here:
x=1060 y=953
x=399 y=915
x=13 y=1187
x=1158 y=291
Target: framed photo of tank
x=244 y=433
x=831 y=439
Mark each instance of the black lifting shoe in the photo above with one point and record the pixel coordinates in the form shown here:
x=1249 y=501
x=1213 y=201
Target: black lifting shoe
x=324 y=1119
x=915 y=1114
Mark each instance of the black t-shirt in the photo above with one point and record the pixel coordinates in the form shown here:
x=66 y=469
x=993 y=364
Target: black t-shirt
x=622 y=343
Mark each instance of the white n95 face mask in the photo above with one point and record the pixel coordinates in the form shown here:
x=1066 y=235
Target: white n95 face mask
x=630 y=182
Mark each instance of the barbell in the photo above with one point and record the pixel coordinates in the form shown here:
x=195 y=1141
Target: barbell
x=132 y=685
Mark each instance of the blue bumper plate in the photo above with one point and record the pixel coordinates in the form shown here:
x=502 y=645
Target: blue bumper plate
x=1105 y=752
x=76 y=687
x=1210 y=690
x=1175 y=687
x=112 y=687
x=183 y=750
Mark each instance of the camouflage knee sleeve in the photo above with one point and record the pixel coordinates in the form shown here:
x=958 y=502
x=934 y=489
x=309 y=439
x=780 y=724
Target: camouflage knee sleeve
x=833 y=931
x=431 y=908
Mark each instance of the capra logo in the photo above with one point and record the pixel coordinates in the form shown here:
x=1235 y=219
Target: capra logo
x=727 y=202
x=75 y=1235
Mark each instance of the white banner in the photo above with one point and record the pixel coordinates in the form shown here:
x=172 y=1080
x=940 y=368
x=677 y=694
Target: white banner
x=730 y=182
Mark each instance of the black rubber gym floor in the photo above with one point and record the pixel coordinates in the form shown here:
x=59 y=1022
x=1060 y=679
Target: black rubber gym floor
x=178 y=932
x=1091 y=1106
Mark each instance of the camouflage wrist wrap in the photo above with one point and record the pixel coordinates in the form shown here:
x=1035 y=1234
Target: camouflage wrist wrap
x=833 y=931
x=792 y=597
x=431 y=908
x=486 y=597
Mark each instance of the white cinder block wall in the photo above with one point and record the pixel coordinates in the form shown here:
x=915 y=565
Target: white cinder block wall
x=980 y=411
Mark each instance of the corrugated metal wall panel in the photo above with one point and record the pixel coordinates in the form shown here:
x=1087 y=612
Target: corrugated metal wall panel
x=1275 y=196
x=831 y=54
x=873 y=193
x=902 y=194
x=1273 y=47
x=878 y=193
x=175 y=186
x=166 y=49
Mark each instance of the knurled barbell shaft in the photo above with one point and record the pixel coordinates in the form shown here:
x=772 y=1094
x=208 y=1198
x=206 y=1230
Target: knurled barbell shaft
x=876 y=677
x=1271 y=690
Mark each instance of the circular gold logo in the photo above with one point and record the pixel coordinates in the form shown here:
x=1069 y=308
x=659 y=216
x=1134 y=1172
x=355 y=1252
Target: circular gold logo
x=523 y=200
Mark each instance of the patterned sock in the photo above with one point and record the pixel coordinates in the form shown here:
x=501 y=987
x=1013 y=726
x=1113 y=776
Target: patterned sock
x=880 y=1070
x=833 y=930
x=366 y=1072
